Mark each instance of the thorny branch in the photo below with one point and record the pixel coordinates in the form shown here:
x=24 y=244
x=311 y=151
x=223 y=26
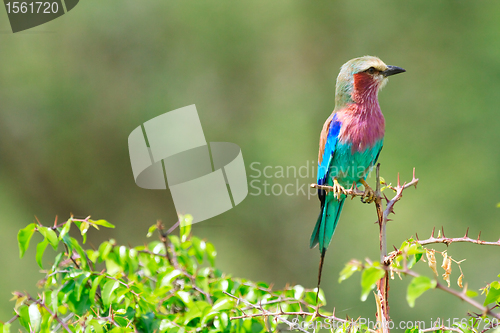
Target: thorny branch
x=445 y=240
x=279 y=314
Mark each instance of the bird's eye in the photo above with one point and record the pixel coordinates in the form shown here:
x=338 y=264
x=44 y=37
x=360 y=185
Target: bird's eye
x=371 y=70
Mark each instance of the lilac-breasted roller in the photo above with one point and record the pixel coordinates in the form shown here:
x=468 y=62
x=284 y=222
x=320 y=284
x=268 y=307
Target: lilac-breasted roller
x=350 y=142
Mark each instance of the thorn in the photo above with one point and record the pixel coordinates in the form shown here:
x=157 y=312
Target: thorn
x=416 y=235
x=442 y=229
x=37 y=220
x=466 y=233
x=55 y=222
x=395 y=248
x=386 y=199
x=414 y=173
x=389 y=220
x=479 y=236
x=432 y=235
x=399 y=183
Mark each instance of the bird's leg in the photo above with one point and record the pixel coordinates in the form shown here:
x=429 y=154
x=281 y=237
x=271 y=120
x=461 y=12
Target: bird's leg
x=369 y=195
x=338 y=190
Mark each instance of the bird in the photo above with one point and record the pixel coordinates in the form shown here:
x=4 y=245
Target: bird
x=350 y=142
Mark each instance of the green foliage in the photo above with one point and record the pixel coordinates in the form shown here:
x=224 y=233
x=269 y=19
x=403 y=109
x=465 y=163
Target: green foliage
x=493 y=293
x=115 y=288
x=417 y=287
x=173 y=285
x=24 y=237
x=371 y=274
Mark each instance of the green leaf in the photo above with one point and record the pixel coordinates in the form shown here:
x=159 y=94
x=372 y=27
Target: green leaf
x=83 y=256
x=195 y=311
x=84 y=227
x=298 y=292
x=198 y=249
x=80 y=284
x=93 y=290
x=65 y=229
x=349 y=270
x=493 y=294
x=35 y=317
x=185 y=226
x=471 y=293
x=54 y=300
x=40 y=249
x=151 y=230
x=223 y=303
x=97 y=327
x=211 y=253
x=23 y=238
x=107 y=291
x=167 y=279
x=24 y=317
x=103 y=223
x=369 y=279
x=498 y=205
x=49 y=235
x=5 y=328
x=417 y=287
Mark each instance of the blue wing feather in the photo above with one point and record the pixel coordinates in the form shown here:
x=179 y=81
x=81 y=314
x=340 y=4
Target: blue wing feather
x=329 y=150
x=323 y=231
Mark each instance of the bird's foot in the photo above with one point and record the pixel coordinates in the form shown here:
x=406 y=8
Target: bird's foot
x=369 y=195
x=338 y=189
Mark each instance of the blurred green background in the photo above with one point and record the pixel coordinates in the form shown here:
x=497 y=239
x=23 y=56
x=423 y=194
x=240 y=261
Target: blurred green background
x=262 y=75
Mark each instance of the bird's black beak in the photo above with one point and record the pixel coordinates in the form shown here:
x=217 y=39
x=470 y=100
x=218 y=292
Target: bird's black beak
x=392 y=70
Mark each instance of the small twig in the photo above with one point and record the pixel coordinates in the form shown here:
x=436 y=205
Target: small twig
x=13 y=319
x=172 y=228
x=490 y=326
x=164 y=239
x=399 y=193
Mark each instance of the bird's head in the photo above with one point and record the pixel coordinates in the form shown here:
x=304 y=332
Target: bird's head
x=360 y=79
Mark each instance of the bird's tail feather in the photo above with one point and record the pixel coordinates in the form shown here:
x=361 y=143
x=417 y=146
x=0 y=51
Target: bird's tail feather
x=321 y=261
x=326 y=223
x=324 y=229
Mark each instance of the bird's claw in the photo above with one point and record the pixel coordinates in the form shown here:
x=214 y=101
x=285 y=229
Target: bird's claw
x=369 y=195
x=338 y=189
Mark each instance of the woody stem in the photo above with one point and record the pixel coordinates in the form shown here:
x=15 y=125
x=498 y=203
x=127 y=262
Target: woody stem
x=382 y=284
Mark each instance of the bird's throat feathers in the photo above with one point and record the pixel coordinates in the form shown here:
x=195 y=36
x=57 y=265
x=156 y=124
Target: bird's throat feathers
x=365 y=89
x=362 y=121
x=363 y=125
